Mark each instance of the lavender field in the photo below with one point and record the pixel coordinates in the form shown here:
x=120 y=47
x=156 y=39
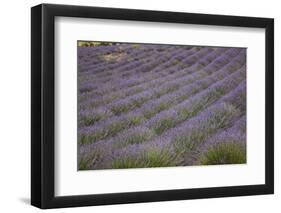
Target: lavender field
x=152 y=105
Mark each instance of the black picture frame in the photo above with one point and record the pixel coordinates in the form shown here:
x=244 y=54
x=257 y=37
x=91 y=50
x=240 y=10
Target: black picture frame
x=43 y=105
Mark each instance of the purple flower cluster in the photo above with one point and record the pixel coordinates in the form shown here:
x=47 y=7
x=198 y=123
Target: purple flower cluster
x=148 y=105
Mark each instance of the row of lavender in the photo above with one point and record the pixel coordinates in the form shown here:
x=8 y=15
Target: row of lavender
x=160 y=105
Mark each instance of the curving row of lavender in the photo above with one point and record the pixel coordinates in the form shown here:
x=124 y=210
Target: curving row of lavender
x=146 y=105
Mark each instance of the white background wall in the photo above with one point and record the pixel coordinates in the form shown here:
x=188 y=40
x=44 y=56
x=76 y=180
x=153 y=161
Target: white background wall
x=15 y=105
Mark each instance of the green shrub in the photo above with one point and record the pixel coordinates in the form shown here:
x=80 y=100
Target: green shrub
x=164 y=124
x=187 y=143
x=135 y=120
x=136 y=46
x=219 y=119
x=157 y=108
x=224 y=153
x=91 y=119
x=135 y=136
x=87 y=161
x=147 y=159
x=118 y=109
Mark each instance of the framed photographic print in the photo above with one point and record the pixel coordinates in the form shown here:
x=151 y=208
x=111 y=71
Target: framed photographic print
x=139 y=106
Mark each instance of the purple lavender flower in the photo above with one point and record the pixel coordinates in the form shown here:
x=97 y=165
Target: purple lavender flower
x=153 y=105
